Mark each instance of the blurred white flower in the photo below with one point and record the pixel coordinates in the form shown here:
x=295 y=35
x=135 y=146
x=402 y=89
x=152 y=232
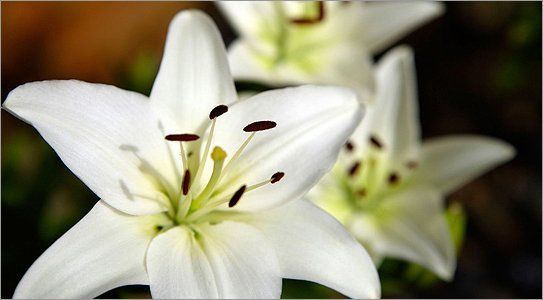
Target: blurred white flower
x=228 y=228
x=388 y=189
x=329 y=42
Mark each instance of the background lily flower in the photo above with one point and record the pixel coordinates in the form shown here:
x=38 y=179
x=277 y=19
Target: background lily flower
x=329 y=42
x=389 y=189
x=197 y=189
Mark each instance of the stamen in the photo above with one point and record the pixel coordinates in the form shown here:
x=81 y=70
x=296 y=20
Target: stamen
x=253 y=128
x=186 y=182
x=237 y=195
x=411 y=165
x=258 y=185
x=259 y=126
x=376 y=142
x=184 y=158
x=349 y=146
x=203 y=161
x=277 y=177
x=217 y=111
x=213 y=114
x=237 y=154
x=232 y=199
x=393 y=178
x=184 y=137
x=354 y=168
x=317 y=19
x=273 y=179
x=361 y=193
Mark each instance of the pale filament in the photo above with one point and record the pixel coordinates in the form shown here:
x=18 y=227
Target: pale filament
x=237 y=155
x=203 y=160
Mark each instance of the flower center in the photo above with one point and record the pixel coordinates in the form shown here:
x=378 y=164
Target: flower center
x=369 y=179
x=195 y=200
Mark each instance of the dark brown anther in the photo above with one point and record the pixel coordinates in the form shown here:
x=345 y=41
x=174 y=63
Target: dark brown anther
x=186 y=182
x=217 y=111
x=276 y=177
x=259 y=126
x=237 y=196
x=354 y=168
x=393 y=178
x=411 y=165
x=375 y=142
x=361 y=193
x=184 y=137
x=317 y=19
x=349 y=146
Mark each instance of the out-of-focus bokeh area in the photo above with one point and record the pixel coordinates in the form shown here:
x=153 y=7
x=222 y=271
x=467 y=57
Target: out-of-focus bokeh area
x=479 y=71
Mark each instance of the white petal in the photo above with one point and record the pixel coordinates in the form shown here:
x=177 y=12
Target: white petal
x=245 y=66
x=178 y=267
x=110 y=138
x=194 y=76
x=312 y=245
x=393 y=117
x=248 y=16
x=411 y=225
x=451 y=161
x=227 y=260
x=104 y=250
x=313 y=123
x=346 y=64
x=244 y=263
x=386 y=22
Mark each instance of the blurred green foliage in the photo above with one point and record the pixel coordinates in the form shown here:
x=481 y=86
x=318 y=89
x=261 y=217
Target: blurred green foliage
x=523 y=37
x=139 y=76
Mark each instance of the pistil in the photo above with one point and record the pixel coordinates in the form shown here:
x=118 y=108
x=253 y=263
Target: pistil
x=218 y=155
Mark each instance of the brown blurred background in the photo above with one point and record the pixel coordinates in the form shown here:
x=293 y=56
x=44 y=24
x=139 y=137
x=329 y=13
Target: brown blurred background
x=479 y=71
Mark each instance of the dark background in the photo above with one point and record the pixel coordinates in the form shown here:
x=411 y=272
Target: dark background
x=479 y=71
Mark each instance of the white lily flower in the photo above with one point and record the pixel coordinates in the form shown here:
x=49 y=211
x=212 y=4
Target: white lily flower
x=329 y=42
x=197 y=189
x=388 y=189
